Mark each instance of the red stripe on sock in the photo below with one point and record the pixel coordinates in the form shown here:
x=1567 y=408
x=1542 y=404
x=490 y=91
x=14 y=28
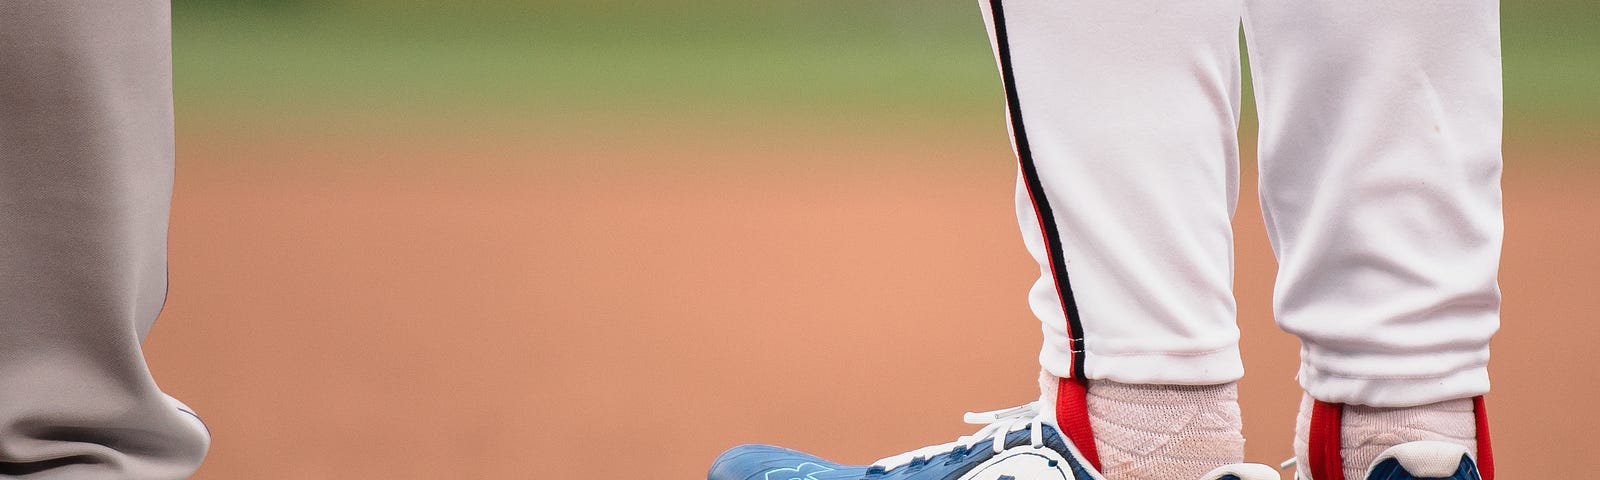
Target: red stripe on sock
x=1072 y=415
x=1485 y=454
x=1323 y=443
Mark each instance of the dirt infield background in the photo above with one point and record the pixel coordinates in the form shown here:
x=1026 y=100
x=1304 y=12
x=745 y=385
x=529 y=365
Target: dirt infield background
x=439 y=318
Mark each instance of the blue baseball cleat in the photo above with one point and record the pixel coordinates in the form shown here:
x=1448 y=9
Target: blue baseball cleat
x=1014 y=444
x=1424 y=461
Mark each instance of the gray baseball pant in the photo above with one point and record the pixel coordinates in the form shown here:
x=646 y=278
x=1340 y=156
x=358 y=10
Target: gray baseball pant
x=86 y=168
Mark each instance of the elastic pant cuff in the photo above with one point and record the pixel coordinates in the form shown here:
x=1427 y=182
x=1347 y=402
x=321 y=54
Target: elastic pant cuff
x=1394 y=392
x=1207 y=368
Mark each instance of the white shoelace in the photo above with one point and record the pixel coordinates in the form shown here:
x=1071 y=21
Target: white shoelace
x=996 y=424
x=1294 y=463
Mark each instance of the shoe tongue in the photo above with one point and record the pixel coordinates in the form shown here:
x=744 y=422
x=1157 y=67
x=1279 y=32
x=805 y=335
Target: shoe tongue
x=1425 y=459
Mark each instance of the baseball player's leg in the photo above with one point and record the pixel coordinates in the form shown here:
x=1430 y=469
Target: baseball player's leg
x=1124 y=118
x=1380 y=170
x=86 y=166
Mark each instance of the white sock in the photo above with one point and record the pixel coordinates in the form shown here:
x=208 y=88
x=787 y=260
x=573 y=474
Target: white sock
x=1164 y=432
x=1365 y=432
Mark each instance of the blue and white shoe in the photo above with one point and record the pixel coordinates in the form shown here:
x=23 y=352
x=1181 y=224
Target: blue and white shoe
x=1424 y=461
x=1014 y=444
x=1421 y=460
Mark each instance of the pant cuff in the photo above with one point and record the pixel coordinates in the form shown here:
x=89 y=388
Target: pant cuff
x=1394 y=392
x=1206 y=368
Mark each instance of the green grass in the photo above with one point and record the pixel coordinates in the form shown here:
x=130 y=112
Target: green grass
x=1552 y=70
x=554 y=61
x=853 y=62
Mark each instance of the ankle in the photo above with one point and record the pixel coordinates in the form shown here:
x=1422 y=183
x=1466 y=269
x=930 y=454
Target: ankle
x=1164 y=431
x=1365 y=432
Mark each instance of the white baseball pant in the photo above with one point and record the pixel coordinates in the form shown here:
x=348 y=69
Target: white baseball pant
x=1379 y=176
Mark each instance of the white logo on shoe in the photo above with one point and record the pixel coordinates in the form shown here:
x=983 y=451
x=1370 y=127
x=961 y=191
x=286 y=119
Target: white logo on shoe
x=1028 y=463
x=803 y=471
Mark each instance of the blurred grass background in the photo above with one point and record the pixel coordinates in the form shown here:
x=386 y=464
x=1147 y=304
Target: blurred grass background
x=811 y=64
